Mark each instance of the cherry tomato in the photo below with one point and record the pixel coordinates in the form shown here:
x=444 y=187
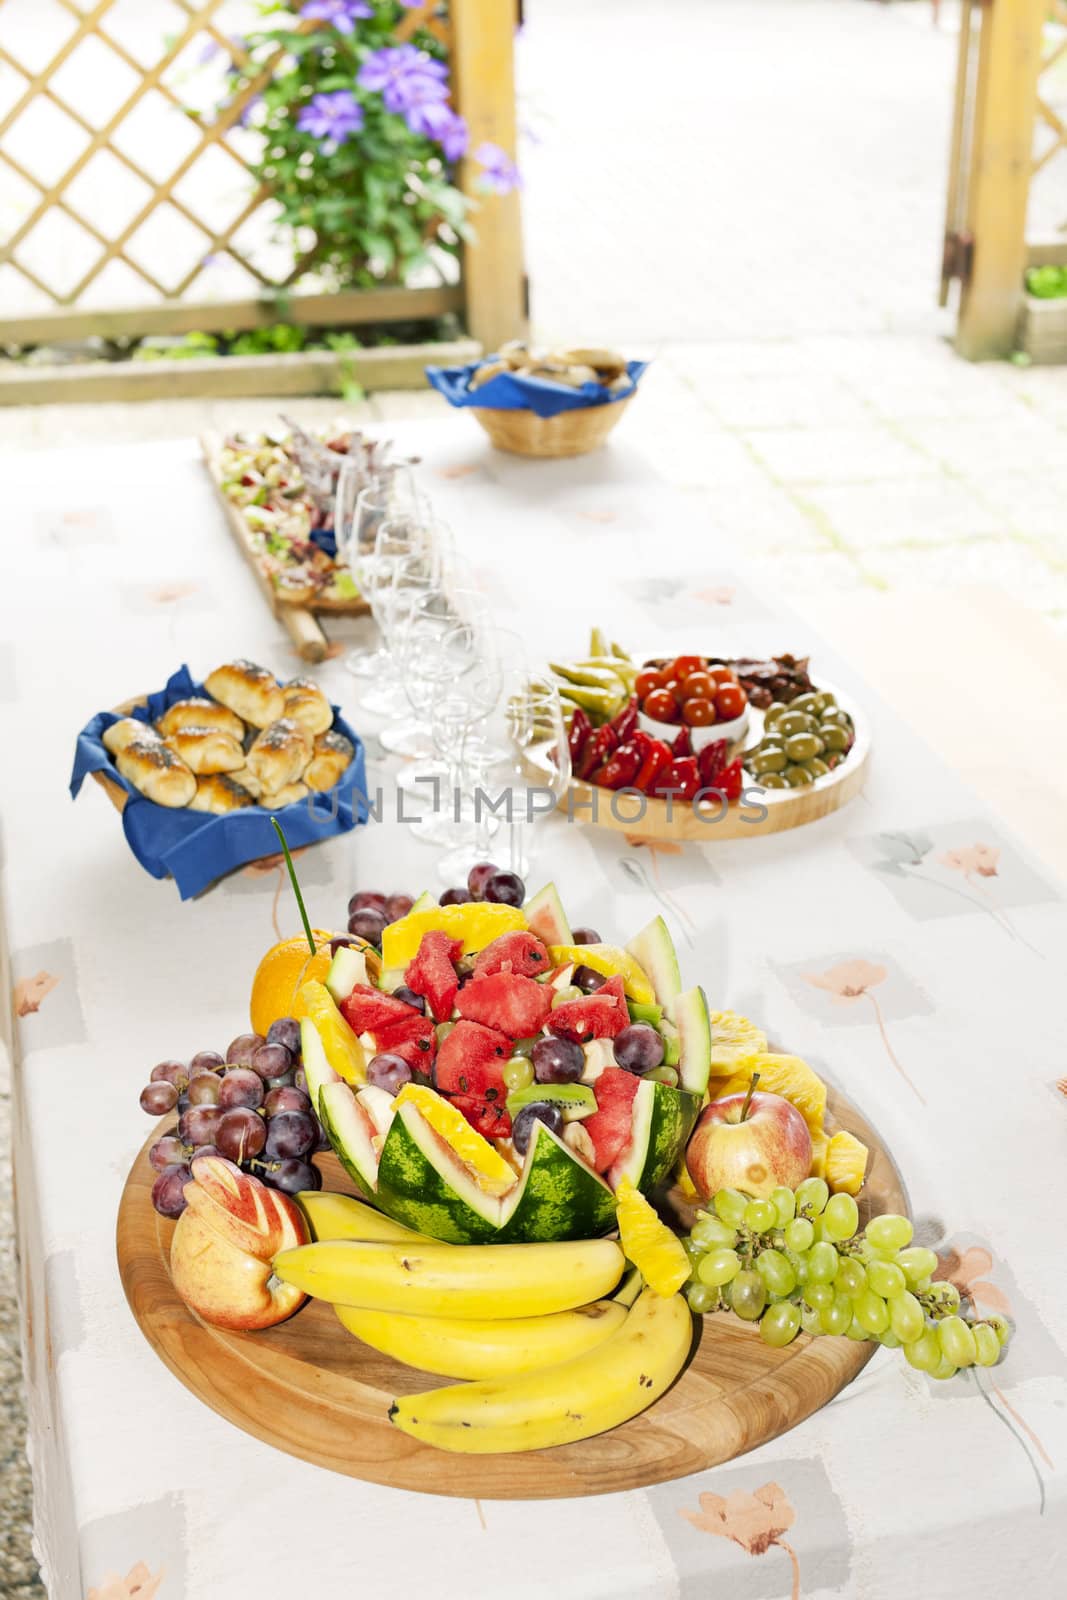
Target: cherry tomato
x=648 y=681
x=730 y=701
x=674 y=686
x=682 y=666
x=699 y=712
x=701 y=685
x=661 y=705
x=723 y=674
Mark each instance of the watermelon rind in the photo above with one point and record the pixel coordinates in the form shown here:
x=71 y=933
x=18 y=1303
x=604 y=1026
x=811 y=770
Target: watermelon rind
x=663 y=1119
x=558 y=1196
x=422 y=1185
x=348 y=967
x=653 y=949
x=691 y=1017
x=345 y=1125
x=317 y=1070
x=546 y=917
x=425 y=901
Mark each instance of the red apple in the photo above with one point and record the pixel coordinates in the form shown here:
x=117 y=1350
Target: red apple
x=224 y=1242
x=753 y=1148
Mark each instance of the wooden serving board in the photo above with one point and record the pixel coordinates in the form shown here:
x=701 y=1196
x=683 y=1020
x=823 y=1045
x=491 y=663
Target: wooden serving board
x=311 y=1389
x=298 y=618
x=646 y=817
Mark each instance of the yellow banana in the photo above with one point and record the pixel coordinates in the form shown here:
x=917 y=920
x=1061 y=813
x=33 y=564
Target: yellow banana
x=484 y=1347
x=339 y=1216
x=478 y=1280
x=573 y=1400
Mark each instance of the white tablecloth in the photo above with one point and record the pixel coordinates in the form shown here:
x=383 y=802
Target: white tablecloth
x=908 y=947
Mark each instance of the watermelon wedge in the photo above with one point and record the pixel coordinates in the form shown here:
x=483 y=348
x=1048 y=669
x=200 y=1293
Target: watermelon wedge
x=516 y=1006
x=368 y=1010
x=597 y=1016
x=469 y=1062
x=519 y=952
x=611 y=1125
x=433 y=974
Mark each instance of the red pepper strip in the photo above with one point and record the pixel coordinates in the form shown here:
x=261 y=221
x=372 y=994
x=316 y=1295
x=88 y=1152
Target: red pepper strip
x=682 y=745
x=625 y=721
x=711 y=760
x=621 y=768
x=657 y=757
x=680 y=778
x=597 y=750
x=580 y=730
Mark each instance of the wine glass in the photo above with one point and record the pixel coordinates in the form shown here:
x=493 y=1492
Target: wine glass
x=466 y=684
x=360 y=508
x=423 y=665
x=403 y=546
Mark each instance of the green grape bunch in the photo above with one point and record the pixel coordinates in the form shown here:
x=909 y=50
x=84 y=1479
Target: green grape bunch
x=797 y=1262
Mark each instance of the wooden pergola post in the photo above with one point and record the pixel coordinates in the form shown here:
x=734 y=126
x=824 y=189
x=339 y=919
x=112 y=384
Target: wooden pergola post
x=483 y=66
x=1000 y=168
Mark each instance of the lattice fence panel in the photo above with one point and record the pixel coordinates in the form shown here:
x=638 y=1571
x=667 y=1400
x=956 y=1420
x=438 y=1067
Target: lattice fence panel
x=1048 y=199
x=46 y=198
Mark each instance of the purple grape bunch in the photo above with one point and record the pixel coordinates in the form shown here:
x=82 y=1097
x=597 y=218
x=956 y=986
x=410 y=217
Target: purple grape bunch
x=249 y=1105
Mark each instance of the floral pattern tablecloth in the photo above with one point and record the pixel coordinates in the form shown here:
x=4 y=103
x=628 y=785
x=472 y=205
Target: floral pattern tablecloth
x=909 y=947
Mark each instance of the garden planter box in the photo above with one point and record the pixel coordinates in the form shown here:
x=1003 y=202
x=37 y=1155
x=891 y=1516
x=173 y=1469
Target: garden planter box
x=1043 y=330
x=313 y=372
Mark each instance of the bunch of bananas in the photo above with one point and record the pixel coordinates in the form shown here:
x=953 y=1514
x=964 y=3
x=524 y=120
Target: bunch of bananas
x=601 y=683
x=548 y=1357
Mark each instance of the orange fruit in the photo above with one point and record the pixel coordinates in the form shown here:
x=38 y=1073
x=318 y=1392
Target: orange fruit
x=280 y=974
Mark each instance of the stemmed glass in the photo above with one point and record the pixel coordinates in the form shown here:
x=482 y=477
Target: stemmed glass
x=466 y=686
x=423 y=666
x=402 y=558
x=522 y=751
x=360 y=508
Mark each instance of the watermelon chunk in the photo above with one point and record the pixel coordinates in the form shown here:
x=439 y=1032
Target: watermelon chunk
x=368 y=1010
x=432 y=973
x=611 y=1125
x=469 y=1062
x=411 y=1037
x=596 y=1016
x=490 y=1118
x=507 y=1001
x=519 y=952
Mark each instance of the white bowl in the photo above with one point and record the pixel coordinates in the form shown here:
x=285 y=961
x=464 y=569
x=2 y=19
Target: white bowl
x=733 y=732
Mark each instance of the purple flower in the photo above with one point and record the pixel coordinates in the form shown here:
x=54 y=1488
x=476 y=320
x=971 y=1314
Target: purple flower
x=333 y=118
x=437 y=120
x=499 y=173
x=405 y=76
x=340 y=14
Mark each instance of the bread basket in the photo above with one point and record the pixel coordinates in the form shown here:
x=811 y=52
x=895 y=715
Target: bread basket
x=568 y=433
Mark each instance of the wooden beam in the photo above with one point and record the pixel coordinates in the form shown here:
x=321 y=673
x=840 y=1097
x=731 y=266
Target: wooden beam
x=1046 y=253
x=322 y=372
x=347 y=308
x=1001 y=158
x=483 y=68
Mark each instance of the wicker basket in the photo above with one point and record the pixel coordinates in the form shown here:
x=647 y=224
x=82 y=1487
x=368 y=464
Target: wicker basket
x=568 y=433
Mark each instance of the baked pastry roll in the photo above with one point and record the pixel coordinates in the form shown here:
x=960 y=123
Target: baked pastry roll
x=306 y=704
x=218 y=793
x=251 y=691
x=279 y=754
x=157 y=772
x=333 y=752
x=205 y=750
x=248 y=780
x=127 y=731
x=196 y=712
x=283 y=796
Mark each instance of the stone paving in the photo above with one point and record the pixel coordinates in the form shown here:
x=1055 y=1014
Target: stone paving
x=750 y=191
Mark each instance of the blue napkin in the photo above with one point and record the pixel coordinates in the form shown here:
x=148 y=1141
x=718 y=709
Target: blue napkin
x=513 y=391
x=196 y=847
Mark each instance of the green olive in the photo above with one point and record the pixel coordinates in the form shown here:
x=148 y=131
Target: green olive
x=824 y=700
x=835 y=737
x=772 y=780
x=835 y=717
x=797 y=777
x=802 y=746
x=792 y=722
x=773 y=712
x=817 y=768
x=769 y=761
x=805 y=702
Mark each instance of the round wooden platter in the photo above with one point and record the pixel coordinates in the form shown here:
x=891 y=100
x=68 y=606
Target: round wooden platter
x=311 y=1389
x=646 y=817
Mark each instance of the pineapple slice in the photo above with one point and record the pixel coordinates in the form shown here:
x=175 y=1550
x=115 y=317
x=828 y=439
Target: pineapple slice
x=820 y=1144
x=655 y=1251
x=734 y=1041
x=845 y=1166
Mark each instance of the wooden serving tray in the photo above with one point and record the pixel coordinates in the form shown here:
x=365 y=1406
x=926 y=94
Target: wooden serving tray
x=786 y=808
x=311 y=1389
x=297 y=617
